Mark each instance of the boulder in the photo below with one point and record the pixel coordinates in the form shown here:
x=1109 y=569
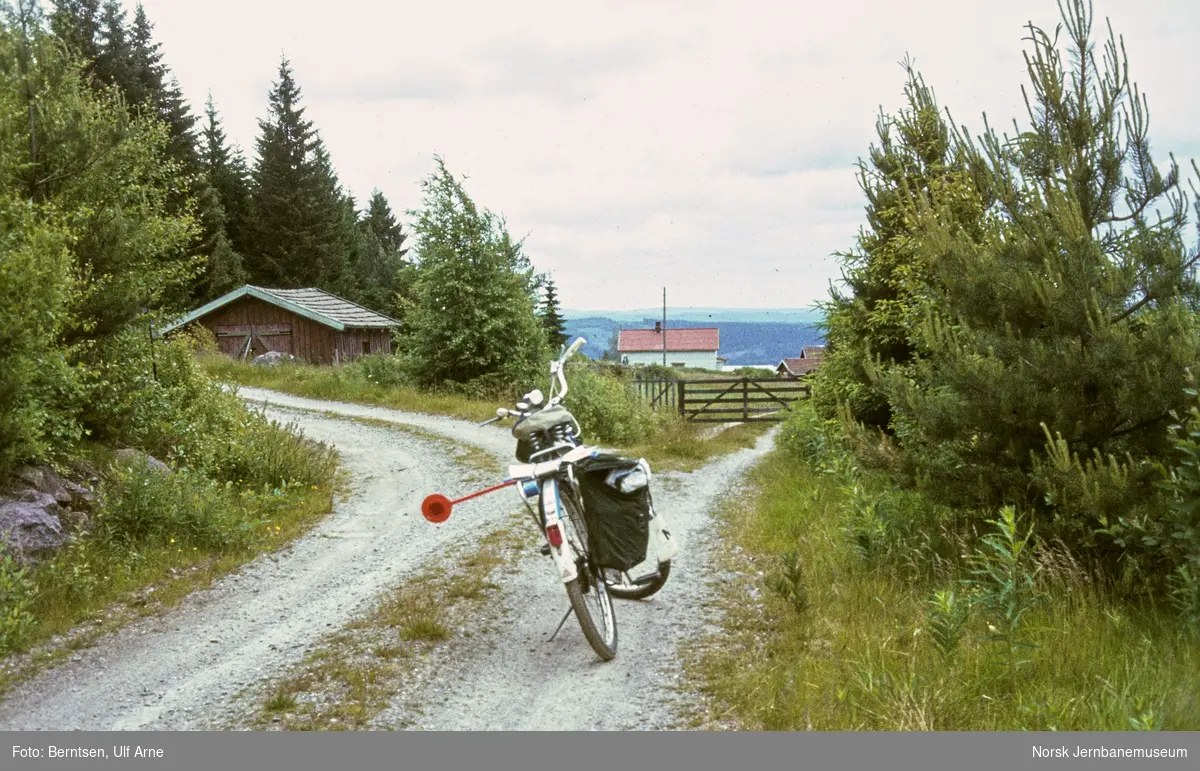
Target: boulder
x=74 y=520
x=271 y=359
x=31 y=526
x=38 y=498
x=46 y=480
x=81 y=493
x=130 y=456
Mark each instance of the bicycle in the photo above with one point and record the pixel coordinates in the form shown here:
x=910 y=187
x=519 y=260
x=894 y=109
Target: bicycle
x=551 y=451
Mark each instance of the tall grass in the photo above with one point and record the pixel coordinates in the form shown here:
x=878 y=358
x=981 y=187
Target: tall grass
x=879 y=611
x=376 y=380
x=163 y=533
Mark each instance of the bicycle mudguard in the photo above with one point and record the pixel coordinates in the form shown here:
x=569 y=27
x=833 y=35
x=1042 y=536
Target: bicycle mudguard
x=664 y=542
x=564 y=556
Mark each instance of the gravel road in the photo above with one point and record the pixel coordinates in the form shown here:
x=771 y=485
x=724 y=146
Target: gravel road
x=186 y=669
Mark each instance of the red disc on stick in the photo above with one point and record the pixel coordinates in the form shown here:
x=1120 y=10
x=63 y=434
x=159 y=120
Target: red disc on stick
x=436 y=508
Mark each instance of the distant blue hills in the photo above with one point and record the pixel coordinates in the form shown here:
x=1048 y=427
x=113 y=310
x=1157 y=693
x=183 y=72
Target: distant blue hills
x=706 y=315
x=766 y=337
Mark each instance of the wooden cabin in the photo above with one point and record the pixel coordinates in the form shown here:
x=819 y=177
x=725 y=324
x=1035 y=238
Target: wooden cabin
x=310 y=324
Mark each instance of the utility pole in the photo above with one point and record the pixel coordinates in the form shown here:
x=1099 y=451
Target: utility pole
x=664 y=326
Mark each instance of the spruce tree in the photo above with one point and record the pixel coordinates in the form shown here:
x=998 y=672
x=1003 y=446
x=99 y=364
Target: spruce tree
x=356 y=245
x=379 y=254
x=551 y=316
x=472 y=319
x=382 y=223
x=114 y=56
x=77 y=23
x=226 y=169
x=297 y=233
x=1056 y=347
x=224 y=270
x=337 y=211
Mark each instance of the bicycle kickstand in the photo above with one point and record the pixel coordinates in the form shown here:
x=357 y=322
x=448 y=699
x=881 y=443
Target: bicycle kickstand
x=570 y=610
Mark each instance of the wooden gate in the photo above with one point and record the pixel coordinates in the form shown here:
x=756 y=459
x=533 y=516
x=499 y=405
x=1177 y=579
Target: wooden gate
x=744 y=400
x=660 y=392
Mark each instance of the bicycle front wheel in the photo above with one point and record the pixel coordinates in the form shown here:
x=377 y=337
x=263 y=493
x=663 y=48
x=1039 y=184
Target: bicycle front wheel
x=588 y=593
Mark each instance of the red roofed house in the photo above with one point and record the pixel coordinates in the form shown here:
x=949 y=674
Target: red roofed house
x=685 y=347
x=808 y=360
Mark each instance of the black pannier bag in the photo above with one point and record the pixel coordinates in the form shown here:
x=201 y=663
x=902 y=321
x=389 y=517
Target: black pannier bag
x=617 y=519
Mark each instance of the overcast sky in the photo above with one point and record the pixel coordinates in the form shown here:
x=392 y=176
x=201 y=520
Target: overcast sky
x=708 y=147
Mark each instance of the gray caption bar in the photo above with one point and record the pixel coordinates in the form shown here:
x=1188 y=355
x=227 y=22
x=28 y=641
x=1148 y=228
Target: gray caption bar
x=101 y=751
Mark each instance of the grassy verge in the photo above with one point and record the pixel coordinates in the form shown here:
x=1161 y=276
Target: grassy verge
x=843 y=618
x=354 y=674
x=360 y=384
x=154 y=537
x=682 y=446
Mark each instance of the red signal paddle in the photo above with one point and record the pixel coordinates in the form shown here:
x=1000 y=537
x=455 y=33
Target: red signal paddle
x=436 y=508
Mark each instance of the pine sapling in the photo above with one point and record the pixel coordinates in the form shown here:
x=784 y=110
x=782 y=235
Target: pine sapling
x=788 y=582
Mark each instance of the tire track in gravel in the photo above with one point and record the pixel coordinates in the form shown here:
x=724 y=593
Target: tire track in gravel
x=181 y=670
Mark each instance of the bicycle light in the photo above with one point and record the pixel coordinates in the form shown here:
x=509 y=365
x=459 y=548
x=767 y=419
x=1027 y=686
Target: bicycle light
x=555 y=535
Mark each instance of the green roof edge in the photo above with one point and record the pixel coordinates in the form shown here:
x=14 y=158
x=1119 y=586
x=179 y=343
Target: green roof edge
x=262 y=294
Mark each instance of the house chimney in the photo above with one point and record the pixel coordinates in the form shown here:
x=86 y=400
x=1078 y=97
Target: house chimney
x=658 y=327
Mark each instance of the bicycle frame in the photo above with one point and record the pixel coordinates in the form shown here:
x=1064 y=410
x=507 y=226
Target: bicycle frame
x=546 y=476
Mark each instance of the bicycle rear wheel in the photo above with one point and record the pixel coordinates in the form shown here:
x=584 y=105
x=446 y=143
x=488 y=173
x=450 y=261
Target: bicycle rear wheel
x=627 y=589
x=588 y=593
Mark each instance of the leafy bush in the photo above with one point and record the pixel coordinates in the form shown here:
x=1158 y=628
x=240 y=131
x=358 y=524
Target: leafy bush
x=16 y=597
x=1005 y=586
x=811 y=440
x=387 y=371
x=1181 y=525
x=34 y=291
x=947 y=617
x=608 y=409
x=158 y=401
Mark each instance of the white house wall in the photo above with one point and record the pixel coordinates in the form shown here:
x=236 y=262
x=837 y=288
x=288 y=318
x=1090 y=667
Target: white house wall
x=697 y=359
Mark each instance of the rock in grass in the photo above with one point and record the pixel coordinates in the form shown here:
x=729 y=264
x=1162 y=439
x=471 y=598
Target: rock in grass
x=31 y=525
x=270 y=359
x=135 y=456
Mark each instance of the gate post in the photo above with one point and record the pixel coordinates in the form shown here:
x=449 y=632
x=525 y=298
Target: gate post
x=682 y=400
x=745 y=399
